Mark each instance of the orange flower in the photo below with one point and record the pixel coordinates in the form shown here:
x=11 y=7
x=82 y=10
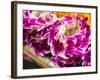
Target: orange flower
x=74 y=14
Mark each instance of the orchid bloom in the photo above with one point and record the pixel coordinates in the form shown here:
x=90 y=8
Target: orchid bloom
x=67 y=38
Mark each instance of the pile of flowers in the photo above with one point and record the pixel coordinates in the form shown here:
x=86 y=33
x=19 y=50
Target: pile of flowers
x=66 y=39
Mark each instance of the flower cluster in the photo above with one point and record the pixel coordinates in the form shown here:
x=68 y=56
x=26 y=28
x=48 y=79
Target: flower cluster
x=66 y=38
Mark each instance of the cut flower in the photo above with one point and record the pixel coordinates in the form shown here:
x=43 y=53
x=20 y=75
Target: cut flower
x=66 y=38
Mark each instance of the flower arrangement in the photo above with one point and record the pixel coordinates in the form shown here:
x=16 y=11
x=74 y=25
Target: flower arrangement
x=63 y=38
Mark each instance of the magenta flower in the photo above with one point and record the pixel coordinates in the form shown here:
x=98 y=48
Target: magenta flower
x=66 y=39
